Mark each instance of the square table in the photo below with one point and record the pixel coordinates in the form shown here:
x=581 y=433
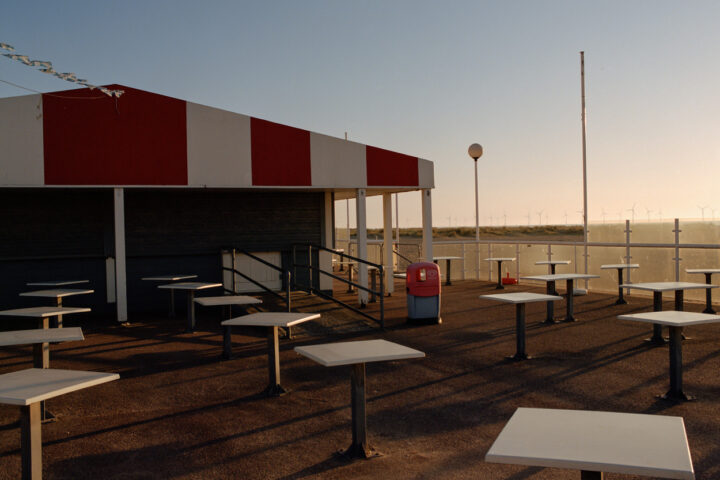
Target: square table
x=271 y=320
x=358 y=354
x=56 y=283
x=595 y=442
x=499 y=261
x=520 y=299
x=27 y=388
x=227 y=301
x=39 y=339
x=658 y=288
x=708 y=277
x=447 y=266
x=170 y=278
x=550 y=290
x=190 y=288
x=552 y=264
x=620 y=267
x=675 y=321
x=58 y=294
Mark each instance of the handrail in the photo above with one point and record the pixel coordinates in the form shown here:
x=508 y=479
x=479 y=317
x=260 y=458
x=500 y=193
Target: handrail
x=284 y=274
x=312 y=268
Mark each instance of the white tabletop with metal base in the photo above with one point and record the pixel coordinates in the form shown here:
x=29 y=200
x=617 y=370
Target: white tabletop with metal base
x=595 y=442
x=27 y=388
x=658 y=288
x=550 y=290
x=190 y=288
x=708 y=272
x=358 y=354
x=520 y=299
x=58 y=294
x=675 y=321
x=271 y=320
x=39 y=339
x=499 y=261
x=170 y=278
x=447 y=266
x=620 y=267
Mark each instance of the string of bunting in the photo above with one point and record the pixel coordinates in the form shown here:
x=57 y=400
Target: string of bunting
x=46 y=67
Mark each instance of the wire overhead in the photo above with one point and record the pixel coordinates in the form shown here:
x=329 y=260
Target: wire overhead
x=46 y=67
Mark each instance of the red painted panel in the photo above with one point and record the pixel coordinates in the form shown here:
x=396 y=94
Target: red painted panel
x=386 y=168
x=280 y=154
x=91 y=139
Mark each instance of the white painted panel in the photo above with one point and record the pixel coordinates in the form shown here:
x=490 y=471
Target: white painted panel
x=218 y=147
x=426 y=174
x=21 y=141
x=336 y=162
x=255 y=270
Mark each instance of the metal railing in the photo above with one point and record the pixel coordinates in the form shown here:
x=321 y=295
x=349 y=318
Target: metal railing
x=314 y=272
x=654 y=265
x=285 y=276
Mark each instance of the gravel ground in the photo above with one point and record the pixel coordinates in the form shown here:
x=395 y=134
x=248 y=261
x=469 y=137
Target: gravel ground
x=180 y=412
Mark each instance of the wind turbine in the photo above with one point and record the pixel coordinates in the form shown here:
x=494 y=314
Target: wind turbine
x=528 y=217
x=539 y=214
x=603 y=214
x=565 y=217
x=582 y=215
x=648 y=211
x=660 y=214
x=702 y=211
x=633 y=212
x=505 y=218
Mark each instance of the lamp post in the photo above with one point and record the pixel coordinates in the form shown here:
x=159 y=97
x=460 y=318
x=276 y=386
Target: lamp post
x=475 y=151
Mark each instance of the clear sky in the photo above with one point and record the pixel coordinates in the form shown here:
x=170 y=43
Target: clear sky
x=428 y=78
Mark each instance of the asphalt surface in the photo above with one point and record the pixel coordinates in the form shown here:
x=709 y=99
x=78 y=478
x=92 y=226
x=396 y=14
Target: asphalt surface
x=180 y=412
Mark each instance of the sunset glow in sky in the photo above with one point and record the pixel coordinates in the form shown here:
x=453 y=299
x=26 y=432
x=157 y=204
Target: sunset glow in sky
x=428 y=78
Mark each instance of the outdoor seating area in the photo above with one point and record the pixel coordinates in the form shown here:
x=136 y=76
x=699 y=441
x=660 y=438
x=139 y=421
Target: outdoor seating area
x=440 y=409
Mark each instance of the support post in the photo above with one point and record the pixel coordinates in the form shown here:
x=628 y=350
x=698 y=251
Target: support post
x=657 y=337
x=677 y=258
x=359 y=447
x=388 y=244
x=427 y=237
x=274 y=389
x=361 y=222
x=520 y=353
x=31 y=441
x=120 y=277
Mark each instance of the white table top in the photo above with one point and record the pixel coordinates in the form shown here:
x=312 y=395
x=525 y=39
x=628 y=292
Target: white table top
x=619 y=265
x=553 y=262
x=363 y=351
x=521 y=297
x=227 y=300
x=57 y=293
x=702 y=270
x=56 y=283
x=652 y=445
x=26 y=387
x=560 y=276
x=500 y=259
x=190 y=285
x=41 y=312
x=40 y=335
x=169 y=278
x=667 y=286
x=447 y=258
x=672 y=318
x=271 y=319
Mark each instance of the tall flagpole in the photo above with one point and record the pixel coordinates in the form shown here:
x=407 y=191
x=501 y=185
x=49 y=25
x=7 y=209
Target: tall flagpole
x=584 y=160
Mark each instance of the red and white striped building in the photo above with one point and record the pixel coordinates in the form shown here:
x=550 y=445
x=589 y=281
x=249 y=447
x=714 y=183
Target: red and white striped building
x=152 y=157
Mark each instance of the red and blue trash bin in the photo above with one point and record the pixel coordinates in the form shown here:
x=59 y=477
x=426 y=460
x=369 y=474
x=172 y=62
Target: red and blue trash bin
x=422 y=282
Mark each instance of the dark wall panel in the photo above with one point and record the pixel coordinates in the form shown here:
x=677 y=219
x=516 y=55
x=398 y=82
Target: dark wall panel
x=185 y=222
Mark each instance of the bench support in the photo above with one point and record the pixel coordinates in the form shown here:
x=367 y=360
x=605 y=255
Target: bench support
x=274 y=389
x=359 y=447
